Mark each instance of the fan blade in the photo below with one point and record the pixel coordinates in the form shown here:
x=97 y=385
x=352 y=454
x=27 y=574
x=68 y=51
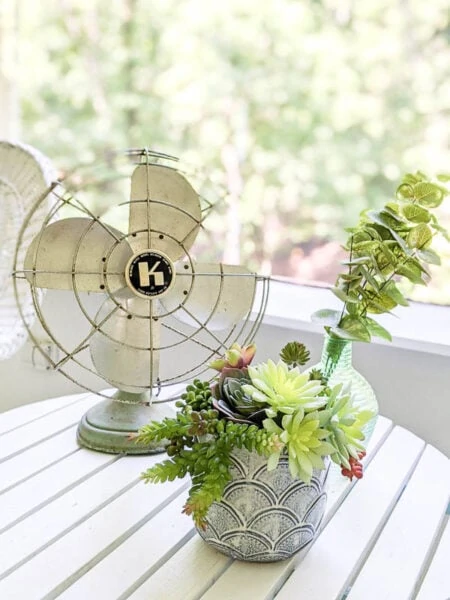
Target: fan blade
x=78 y=252
x=165 y=211
x=215 y=295
x=124 y=350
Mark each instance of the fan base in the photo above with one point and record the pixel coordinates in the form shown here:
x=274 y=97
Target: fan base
x=110 y=425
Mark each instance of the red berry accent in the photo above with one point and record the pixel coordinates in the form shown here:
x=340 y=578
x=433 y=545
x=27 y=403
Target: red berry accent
x=356 y=468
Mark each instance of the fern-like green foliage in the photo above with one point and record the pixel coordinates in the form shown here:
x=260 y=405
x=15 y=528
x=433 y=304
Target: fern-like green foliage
x=200 y=445
x=386 y=246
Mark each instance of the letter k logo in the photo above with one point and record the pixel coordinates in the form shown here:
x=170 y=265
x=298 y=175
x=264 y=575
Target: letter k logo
x=146 y=275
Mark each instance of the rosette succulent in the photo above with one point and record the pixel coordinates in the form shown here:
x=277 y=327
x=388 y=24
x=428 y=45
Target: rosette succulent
x=306 y=442
x=294 y=354
x=345 y=422
x=238 y=357
x=282 y=389
x=230 y=399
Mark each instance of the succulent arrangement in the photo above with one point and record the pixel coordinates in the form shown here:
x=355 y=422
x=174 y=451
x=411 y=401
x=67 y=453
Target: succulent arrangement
x=385 y=247
x=276 y=408
x=270 y=408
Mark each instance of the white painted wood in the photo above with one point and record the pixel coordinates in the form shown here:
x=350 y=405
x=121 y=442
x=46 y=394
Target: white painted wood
x=84 y=529
x=193 y=559
x=36 y=491
x=24 y=437
x=266 y=579
x=436 y=585
x=17 y=417
x=29 y=462
x=116 y=573
x=409 y=535
x=341 y=548
x=86 y=544
x=33 y=532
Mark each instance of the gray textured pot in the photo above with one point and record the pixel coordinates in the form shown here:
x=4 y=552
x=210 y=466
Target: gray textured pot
x=265 y=516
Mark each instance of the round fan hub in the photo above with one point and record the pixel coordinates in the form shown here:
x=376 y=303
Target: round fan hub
x=150 y=273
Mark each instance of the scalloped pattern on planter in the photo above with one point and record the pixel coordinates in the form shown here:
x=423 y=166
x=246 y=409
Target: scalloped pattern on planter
x=265 y=516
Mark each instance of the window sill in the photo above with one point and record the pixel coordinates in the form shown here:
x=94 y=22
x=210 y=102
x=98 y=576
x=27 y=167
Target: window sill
x=419 y=327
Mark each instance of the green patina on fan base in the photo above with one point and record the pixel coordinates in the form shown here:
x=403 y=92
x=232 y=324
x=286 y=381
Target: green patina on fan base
x=109 y=426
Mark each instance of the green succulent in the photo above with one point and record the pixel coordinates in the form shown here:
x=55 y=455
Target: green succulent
x=281 y=389
x=235 y=357
x=232 y=401
x=317 y=375
x=305 y=441
x=345 y=422
x=294 y=354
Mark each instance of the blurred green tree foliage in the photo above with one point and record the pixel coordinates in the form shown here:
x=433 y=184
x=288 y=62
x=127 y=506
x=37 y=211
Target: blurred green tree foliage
x=310 y=110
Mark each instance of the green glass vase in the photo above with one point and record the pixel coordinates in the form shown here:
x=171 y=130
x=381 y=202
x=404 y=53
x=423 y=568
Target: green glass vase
x=336 y=366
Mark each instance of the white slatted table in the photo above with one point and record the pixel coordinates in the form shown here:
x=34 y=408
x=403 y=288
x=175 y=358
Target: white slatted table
x=80 y=525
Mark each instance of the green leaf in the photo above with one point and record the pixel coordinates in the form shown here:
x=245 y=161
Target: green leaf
x=385 y=219
x=342 y=295
x=380 y=303
x=437 y=227
x=359 y=236
x=429 y=256
x=391 y=233
x=391 y=216
x=353 y=328
x=378 y=272
x=352 y=309
x=416 y=213
x=392 y=290
x=350 y=277
x=390 y=256
x=362 y=260
x=372 y=232
x=428 y=194
x=393 y=207
x=345 y=335
x=411 y=272
x=366 y=246
x=326 y=315
x=420 y=236
x=370 y=278
x=375 y=216
x=444 y=177
x=377 y=330
x=405 y=191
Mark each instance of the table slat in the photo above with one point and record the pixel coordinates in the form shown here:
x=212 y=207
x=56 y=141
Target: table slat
x=86 y=544
x=436 y=584
x=40 y=429
x=29 y=462
x=22 y=415
x=341 y=549
x=414 y=524
x=26 y=537
x=152 y=544
x=195 y=558
x=43 y=487
x=267 y=578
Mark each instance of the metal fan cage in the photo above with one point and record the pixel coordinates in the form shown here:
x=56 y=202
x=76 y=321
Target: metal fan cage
x=179 y=341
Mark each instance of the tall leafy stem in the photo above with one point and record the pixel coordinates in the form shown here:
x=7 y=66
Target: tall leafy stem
x=386 y=246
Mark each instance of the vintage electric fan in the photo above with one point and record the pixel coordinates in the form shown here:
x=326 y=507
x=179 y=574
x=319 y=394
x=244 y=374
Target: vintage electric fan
x=154 y=316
